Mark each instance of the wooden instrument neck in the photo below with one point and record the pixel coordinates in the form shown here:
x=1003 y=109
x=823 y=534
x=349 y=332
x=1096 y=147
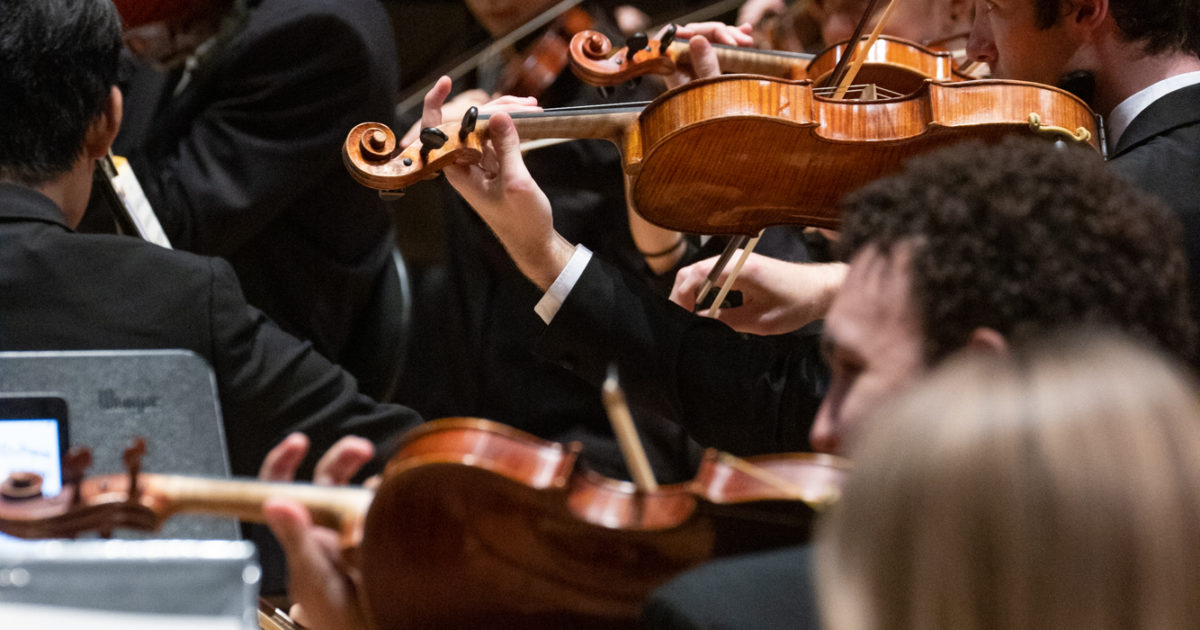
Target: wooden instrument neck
x=334 y=507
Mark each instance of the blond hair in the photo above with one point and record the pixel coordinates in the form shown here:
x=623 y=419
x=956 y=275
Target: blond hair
x=1054 y=488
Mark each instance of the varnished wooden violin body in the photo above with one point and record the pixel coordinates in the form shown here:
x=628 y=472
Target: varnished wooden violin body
x=476 y=524
x=737 y=153
x=480 y=525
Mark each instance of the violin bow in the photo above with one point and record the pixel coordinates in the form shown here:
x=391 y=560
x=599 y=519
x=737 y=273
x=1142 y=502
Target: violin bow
x=858 y=58
x=843 y=75
x=415 y=95
x=627 y=437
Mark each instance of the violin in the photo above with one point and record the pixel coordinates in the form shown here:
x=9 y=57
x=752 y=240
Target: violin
x=737 y=153
x=893 y=63
x=479 y=524
x=536 y=67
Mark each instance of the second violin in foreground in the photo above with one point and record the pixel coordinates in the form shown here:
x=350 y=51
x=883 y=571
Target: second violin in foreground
x=476 y=524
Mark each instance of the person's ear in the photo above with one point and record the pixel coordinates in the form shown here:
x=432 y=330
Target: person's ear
x=987 y=340
x=1086 y=14
x=103 y=130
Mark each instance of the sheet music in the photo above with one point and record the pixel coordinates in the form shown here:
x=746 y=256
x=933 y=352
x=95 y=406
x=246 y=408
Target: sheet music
x=130 y=191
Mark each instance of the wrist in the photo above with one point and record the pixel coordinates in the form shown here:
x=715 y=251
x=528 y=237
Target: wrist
x=544 y=264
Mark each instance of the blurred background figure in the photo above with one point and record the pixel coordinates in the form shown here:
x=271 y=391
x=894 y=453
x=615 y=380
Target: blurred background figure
x=1055 y=487
x=235 y=115
x=813 y=25
x=476 y=330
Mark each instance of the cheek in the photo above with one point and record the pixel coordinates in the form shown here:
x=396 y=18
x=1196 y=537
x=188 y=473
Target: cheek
x=858 y=402
x=836 y=29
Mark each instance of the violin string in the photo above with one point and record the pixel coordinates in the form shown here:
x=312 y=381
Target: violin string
x=580 y=110
x=786 y=54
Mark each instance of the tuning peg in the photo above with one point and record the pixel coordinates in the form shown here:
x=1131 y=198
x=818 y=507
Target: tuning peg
x=75 y=464
x=20 y=486
x=667 y=38
x=605 y=91
x=636 y=42
x=133 y=462
x=433 y=138
x=468 y=123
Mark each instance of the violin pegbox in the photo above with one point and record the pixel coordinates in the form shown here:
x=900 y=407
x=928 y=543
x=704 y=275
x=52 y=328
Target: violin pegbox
x=373 y=158
x=100 y=504
x=595 y=62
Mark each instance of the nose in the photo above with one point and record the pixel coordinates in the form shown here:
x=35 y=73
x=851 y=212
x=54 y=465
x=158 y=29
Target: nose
x=981 y=45
x=824 y=435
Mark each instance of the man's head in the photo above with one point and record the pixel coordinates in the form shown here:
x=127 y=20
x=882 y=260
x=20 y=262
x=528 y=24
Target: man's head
x=988 y=246
x=165 y=32
x=58 y=66
x=1042 y=40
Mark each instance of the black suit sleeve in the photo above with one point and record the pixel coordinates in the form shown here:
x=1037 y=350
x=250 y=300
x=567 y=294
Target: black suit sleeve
x=272 y=383
x=741 y=394
x=268 y=129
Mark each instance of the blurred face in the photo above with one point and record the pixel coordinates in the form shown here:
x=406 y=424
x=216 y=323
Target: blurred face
x=500 y=17
x=1005 y=36
x=873 y=342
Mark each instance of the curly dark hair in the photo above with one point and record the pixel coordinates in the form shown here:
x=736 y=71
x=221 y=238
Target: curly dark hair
x=1027 y=236
x=58 y=62
x=1161 y=25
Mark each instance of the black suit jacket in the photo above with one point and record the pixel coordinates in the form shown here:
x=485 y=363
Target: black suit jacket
x=1160 y=152
x=764 y=591
x=66 y=291
x=245 y=162
x=741 y=394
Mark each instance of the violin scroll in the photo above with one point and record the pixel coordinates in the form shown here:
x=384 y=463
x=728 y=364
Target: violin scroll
x=596 y=63
x=98 y=504
x=373 y=158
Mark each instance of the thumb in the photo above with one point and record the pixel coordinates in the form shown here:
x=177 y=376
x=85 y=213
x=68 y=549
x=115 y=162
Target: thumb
x=289 y=521
x=508 y=149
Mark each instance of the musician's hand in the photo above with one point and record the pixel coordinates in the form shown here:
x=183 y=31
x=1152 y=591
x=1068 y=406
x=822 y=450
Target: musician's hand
x=777 y=296
x=325 y=590
x=753 y=11
x=504 y=194
x=336 y=466
x=701 y=36
x=436 y=110
x=453 y=110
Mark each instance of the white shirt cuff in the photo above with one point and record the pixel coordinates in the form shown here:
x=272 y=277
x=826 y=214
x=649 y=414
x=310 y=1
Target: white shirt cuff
x=548 y=306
